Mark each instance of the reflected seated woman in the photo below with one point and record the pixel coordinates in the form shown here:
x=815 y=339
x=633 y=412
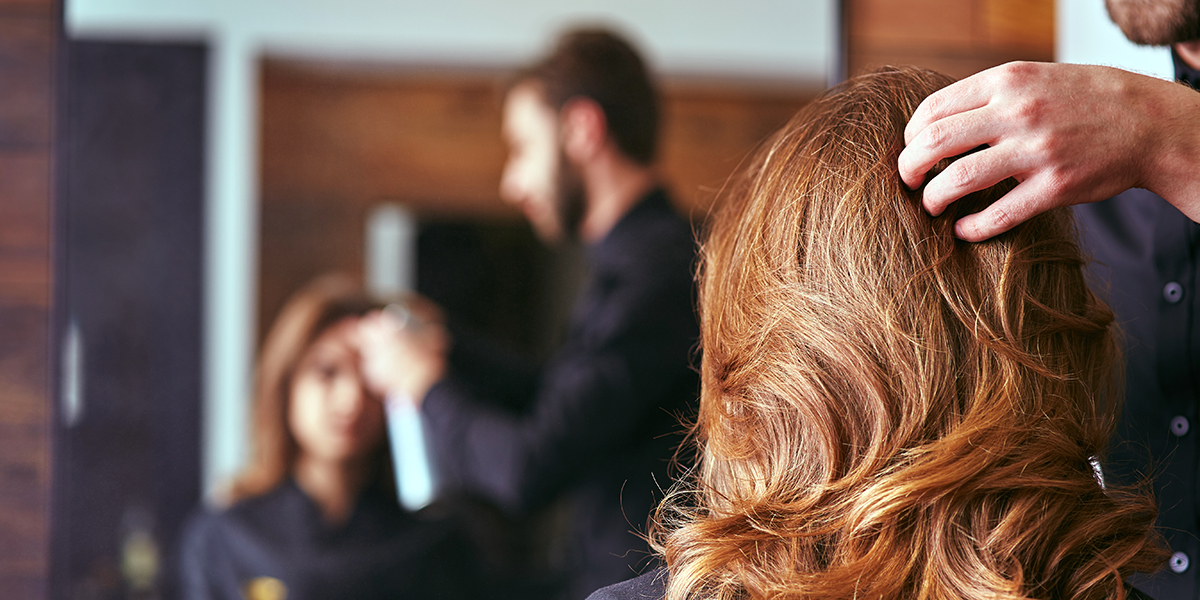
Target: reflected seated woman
x=315 y=513
x=887 y=411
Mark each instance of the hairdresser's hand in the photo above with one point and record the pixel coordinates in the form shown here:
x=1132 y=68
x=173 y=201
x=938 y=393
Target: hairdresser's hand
x=1069 y=134
x=404 y=354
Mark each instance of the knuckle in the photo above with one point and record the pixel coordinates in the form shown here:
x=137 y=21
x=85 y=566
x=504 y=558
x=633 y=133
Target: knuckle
x=933 y=104
x=962 y=174
x=937 y=135
x=1001 y=218
x=1016 y=71
x=1028 y=109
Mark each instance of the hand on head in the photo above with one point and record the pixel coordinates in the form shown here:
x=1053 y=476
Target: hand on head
x=404 y=358
x=1069 y=134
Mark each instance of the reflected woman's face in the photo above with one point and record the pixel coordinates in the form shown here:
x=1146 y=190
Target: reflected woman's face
x=331 y=414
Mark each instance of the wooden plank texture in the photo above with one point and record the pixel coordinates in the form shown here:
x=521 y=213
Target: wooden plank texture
x=28 y=36
x=956 y=37
x=26 y=70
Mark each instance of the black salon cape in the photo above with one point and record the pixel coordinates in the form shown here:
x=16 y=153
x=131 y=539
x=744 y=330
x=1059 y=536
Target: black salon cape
x=381 y=552
x=1146 y=266
x=601 y=413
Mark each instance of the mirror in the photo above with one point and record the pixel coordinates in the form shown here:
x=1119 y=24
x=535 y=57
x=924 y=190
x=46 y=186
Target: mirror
x=224 y=153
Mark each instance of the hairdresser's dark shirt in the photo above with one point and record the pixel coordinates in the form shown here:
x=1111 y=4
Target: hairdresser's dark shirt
x=278 y=543
x=653 y=586
x=1146 y=264
x=599 y=413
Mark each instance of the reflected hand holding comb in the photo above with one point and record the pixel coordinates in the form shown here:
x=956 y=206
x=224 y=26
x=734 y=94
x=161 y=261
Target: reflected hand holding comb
x=404 y=348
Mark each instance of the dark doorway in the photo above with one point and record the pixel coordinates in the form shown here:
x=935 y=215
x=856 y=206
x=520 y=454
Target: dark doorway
x=128 y=315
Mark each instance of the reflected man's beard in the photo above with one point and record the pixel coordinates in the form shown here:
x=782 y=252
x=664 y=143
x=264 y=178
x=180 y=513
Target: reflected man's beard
x=570 y=199
x=1156 y=22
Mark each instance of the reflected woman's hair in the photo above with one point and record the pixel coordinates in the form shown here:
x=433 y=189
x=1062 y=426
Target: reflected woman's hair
x=889 y=412
x=309 y=312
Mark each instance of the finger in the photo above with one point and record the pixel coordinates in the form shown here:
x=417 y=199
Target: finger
x=961 y=96
x=950 y=136
x=972 y=173
x=1017 y=206
x=369 y=328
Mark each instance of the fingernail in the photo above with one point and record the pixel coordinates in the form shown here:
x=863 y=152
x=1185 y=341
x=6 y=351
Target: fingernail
x=959 y=232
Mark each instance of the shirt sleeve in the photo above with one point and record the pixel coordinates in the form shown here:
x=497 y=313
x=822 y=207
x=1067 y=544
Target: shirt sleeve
x=623 y=358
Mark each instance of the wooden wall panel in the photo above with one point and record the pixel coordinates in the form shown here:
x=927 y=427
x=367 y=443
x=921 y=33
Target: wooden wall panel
x=28 y=38
x=24 y=227
x=708 y=132
x=909 y=23
x=338 y=140
x=366 y=137
x=957 y=37
x=1019 y=24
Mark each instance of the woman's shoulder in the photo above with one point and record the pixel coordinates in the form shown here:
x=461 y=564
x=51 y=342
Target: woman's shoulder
x=217 y=520
x=648 y=586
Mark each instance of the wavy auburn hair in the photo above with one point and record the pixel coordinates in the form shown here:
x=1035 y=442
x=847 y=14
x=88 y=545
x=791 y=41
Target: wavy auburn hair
x=889 y=412
x=319 y=305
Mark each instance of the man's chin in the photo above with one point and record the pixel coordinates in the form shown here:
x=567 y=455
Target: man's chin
x=1157 y=23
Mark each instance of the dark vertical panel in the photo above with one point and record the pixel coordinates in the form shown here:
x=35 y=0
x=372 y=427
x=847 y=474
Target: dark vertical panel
x=132 y=209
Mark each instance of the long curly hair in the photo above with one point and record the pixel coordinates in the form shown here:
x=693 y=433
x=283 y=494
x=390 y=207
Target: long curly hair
x=887 y=411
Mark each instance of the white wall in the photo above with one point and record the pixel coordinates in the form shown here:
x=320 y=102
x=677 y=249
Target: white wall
x=1085 y=34
x=787 y=39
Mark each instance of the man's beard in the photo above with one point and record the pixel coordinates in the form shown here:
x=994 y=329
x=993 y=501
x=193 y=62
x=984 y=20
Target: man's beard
x=570 y=199
x=1156 y=22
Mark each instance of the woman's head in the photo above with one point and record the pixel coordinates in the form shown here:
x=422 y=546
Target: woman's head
x=310 y=399
x=331 y=414
x=888 y=411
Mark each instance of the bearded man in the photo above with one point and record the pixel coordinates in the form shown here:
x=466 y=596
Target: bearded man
x=581 y=127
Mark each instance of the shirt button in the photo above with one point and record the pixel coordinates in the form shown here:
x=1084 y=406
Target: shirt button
x=1179 y=426
x=1173 y=292
x=1178 y=562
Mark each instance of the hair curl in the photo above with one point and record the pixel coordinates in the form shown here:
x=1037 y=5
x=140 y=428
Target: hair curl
x=889 y=412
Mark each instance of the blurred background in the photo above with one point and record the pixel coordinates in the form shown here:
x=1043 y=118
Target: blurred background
x=170 y=170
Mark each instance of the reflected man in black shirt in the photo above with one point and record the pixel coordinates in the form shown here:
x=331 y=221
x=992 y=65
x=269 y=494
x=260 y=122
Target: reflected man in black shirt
x=581 y=126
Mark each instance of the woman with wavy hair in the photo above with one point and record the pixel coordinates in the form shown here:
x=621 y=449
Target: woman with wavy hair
x=887 y=411
x=314 y=514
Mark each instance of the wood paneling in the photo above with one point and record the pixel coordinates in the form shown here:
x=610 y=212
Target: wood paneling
x=1019 y=24
x=957 y=37
x=337 y=141
x=16 y=5
x=24 y=228
x=366 y=138
x=26 y=71
x=927 y=23
x=28 y=38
